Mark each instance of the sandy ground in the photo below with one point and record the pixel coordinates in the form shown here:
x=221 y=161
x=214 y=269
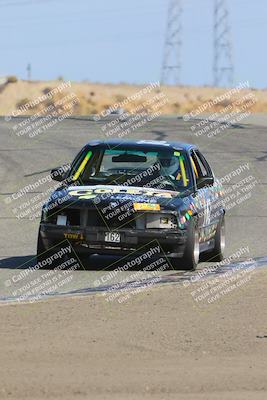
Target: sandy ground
x=169 y=348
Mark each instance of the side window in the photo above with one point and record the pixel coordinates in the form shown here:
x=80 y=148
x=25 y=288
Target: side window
x=200 y=168
x=204 y=163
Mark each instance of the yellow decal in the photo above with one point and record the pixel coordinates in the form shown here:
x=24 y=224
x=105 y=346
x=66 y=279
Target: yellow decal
x=82 y=166
x=75 y=236
x=183 y=171
x=83 y=194
x=146 y=207
x=194 y=166
x=102 y=190
x=87 y=196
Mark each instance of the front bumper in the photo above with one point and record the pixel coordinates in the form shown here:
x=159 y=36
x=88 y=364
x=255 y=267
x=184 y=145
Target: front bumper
x=92 y=240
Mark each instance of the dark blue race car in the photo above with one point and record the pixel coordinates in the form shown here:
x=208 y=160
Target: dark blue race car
x=119 y=197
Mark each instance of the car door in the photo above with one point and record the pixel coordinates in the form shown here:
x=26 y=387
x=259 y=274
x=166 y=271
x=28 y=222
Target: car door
x=205 y=195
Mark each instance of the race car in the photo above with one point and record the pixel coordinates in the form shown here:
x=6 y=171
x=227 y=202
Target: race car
x=118 y=197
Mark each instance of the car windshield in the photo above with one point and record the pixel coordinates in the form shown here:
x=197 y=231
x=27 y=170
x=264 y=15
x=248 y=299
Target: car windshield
x=161 y=169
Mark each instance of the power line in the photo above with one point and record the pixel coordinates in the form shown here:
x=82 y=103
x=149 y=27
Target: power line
x=24 y=3
x=81 y=17
x=117 y=38
x=223 y=68
x=171 y=66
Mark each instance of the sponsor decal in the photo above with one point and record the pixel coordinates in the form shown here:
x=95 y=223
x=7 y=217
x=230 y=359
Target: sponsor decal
x=74 y=236
x=146 y=207
x=186 y=217
x=90 y=193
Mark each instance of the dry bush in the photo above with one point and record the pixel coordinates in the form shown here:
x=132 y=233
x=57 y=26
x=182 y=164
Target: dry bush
x=119 y=98
x=22 y=102
x=47 y=90
x=11 y=79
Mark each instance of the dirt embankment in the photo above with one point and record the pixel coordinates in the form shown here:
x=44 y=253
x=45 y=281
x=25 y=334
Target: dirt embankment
x=30 y=97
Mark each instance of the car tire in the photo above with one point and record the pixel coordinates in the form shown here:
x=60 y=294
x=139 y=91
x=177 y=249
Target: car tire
x=217 y=254
x=42 y=253
x=190 y=259
x=40 y=248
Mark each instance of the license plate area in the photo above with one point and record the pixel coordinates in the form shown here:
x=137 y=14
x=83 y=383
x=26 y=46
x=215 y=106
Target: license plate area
x=112 y=237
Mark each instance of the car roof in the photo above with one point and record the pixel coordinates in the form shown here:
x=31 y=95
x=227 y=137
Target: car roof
x=144 y=144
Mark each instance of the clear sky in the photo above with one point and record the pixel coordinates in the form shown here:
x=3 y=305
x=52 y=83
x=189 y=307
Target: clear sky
x=122 y=40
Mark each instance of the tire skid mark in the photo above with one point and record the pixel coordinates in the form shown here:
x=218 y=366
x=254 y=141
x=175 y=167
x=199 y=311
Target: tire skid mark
x=172 y=278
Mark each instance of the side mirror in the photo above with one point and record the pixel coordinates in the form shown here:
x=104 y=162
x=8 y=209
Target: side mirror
x=60 y=173
x=205 y=181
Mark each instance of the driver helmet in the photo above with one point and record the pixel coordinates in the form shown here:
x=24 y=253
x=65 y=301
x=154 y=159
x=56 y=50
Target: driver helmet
x=169 y=165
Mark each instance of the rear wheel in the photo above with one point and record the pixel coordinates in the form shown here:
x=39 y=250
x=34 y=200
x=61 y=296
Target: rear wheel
x=217 y=253
x=190 y=258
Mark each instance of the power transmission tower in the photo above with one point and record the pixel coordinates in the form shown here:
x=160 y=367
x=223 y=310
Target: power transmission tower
x=29 y=71
x=171 y=66
x=223 y=68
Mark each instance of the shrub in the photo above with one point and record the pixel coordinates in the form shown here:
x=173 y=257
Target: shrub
x=22 y=102
x=119 y=98
x=11 y=79
x=47 y=90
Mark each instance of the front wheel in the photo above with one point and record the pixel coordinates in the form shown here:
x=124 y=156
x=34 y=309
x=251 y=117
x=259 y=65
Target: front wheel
x=190 y=259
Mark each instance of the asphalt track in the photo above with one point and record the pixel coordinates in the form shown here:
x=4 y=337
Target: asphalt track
x=26 y=160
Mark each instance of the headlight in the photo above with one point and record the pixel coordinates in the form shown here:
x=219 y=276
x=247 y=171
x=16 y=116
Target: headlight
x=161 y=221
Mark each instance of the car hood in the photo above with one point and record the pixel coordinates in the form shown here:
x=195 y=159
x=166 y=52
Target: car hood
x=106 y=194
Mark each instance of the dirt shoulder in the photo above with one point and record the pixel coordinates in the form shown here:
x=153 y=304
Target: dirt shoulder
x=160 y=344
